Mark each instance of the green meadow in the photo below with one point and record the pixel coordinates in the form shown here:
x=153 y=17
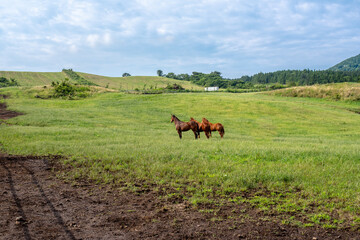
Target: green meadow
x=297 y=157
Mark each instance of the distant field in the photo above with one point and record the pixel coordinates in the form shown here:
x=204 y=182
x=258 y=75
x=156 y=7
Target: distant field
x=294 y=156
x=119 y=83
x=140 y=82
x=33 y=78
x=333 y=91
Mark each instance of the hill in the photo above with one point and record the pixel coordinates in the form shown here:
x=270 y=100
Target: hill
x=350 y=64
x=140 y=82
x=124 y=83
x=33 y=78
x=333 y=91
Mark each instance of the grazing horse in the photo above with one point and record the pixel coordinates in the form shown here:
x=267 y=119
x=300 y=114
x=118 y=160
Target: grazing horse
x=185 y=126
x=204 y=126
x=217 y=127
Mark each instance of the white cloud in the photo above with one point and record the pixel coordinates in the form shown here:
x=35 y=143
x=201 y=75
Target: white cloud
x=93 y=40
x=76 y=13
x=185 y=30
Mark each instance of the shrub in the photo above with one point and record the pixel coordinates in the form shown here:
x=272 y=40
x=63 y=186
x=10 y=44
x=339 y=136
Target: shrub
x=76 y=77
x=4 y=82
x=67 y=90
x=174 y=87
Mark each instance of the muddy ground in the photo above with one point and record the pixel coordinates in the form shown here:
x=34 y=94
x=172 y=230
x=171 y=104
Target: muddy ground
x=35 y=204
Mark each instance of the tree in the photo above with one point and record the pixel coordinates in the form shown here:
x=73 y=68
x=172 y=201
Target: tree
x=171 y=75
x=160 y=73
x=126 y=75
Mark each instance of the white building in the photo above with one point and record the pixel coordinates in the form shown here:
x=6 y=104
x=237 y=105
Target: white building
x=211 y=88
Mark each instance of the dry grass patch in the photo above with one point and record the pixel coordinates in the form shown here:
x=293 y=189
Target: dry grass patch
x=333 y=91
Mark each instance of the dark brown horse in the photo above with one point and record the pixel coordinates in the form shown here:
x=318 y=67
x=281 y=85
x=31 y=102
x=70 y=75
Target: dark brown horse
x=217 y=127
x=204 y=126
x=185 y=126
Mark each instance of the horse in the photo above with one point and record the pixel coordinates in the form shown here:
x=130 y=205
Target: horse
x=181 y=126
x=204 y=126
x=217 y=127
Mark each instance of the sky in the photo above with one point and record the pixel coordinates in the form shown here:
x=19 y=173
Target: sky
x=234 y=37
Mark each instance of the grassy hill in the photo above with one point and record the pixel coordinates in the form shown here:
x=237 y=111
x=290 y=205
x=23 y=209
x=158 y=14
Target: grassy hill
x=127 y=83
x=350 y=64
x=130 y=83
x=333 y=91
x=33 y=78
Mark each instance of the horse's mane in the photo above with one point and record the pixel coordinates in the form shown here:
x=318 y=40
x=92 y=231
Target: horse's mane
x=175 y=117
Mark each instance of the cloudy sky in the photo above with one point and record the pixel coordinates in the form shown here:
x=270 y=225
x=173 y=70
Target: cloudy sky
x=234 y=37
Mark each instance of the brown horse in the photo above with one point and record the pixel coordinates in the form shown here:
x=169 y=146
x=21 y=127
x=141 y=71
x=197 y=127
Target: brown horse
x=204 y=126
x=217 y=127
x=185 y=126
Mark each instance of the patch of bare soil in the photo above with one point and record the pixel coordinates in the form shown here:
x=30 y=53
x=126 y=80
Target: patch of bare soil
x=35 y=204
x=4 y=113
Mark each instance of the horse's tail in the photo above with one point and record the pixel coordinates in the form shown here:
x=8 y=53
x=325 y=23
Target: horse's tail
x=222 y=131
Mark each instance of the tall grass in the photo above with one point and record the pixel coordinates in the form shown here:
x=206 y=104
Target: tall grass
x=308 y=148
x=337 y=91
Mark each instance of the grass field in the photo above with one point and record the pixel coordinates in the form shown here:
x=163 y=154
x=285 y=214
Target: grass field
x=294 y=156
x=140 y=82
x=333 y=91
x=118 y=83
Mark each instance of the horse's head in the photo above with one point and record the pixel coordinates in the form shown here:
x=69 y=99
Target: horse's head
x=172 y=118
x=192 y=119
x=205 y=120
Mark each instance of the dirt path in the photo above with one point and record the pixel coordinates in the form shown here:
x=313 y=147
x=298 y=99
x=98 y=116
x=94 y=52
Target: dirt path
x=35 y=204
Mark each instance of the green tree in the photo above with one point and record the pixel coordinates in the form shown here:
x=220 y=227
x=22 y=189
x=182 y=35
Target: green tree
x=126 y=75
x=171 y=75
x=160 y=73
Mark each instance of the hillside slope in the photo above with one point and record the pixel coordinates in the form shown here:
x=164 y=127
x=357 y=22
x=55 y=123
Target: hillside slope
x=350 y=64
x=33 y=78
x=124 y=83
x=332 y=91
x=140 y=82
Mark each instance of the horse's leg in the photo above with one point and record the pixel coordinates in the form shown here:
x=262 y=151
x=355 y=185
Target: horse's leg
x=180 y=135
x=195 y=133
x=207 y=134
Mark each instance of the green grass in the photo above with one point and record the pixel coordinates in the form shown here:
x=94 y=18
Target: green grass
x=33 y=78
x=119 y=83
x=299 y=155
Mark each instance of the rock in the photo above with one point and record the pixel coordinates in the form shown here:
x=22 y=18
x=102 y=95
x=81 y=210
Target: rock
x=19 y=220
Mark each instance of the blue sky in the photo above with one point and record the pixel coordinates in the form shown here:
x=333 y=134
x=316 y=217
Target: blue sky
x=234 y=37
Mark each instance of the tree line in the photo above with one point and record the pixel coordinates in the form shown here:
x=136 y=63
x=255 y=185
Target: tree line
x=284 y=77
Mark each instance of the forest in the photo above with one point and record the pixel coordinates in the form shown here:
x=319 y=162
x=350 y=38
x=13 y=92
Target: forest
x=281 y=78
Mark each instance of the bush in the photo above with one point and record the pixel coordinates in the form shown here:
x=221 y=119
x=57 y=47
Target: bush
x=175 y=87
x=67 y=90
x=4 y=82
